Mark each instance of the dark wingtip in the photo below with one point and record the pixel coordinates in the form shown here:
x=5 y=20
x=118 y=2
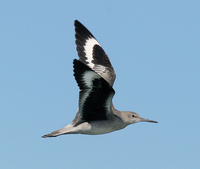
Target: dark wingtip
x=82 y=30
x=78 y=65
x=76 y=22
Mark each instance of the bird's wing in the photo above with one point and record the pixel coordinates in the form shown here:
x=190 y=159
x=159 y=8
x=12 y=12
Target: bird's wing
x=91 y=53
x=95 y=96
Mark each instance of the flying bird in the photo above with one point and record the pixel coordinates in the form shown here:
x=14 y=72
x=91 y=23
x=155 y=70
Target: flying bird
x=95 y=76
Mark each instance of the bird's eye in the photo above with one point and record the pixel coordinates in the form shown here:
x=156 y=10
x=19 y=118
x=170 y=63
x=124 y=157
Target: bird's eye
x=133 y=115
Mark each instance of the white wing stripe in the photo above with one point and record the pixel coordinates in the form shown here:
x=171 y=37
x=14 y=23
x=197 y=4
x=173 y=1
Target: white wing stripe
x=89 y=44
x=88 y=78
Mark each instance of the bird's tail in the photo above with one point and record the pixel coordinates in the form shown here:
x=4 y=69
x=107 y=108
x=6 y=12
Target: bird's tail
x=53 y=134
x=64 y=130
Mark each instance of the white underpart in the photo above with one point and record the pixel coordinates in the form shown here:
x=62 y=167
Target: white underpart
x=108 y=102
x=89 y=76
x=81 y=103
x=89 y=44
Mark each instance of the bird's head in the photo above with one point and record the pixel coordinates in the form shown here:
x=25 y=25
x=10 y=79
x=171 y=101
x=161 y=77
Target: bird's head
x=132 y=117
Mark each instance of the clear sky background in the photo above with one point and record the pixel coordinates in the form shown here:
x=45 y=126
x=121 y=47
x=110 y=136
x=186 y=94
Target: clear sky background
x=154 y=47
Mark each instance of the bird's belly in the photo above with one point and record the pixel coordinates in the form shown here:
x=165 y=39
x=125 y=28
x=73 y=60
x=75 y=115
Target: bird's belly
x=96 y=131
x=98 y=127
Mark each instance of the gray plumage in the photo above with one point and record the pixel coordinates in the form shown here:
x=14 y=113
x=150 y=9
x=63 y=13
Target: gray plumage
x=95 y=76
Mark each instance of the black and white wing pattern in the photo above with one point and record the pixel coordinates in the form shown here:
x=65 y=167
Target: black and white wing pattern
x=91 y=53
x=95 y=96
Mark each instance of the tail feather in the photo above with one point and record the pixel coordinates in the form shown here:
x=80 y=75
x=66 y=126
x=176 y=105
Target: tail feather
x=65 y=130
x=53 y=134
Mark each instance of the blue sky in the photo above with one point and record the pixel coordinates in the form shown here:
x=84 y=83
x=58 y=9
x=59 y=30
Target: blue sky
x=154 y=48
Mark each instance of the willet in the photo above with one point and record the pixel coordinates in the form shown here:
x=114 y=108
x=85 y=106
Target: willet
x=95 y=77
